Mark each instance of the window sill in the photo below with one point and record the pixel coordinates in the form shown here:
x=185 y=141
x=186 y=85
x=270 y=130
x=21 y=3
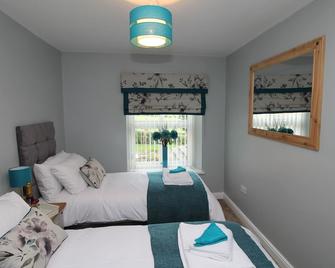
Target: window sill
x=196 y=170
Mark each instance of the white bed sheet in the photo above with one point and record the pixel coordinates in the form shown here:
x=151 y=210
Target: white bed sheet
x=108 y=247
x=122 y=196
x=116 y=246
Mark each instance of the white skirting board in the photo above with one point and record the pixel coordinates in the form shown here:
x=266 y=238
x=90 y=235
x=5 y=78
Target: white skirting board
x=219 y=195
x=269 y=247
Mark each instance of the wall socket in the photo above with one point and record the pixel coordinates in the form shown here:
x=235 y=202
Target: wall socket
x=243 y=189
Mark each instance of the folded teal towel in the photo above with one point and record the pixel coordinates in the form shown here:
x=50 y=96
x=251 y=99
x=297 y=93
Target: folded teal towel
x=212 y=235
x=178 y=170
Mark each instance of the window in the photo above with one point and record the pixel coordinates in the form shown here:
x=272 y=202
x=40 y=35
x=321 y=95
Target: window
x=145 y=153
x=298 y=122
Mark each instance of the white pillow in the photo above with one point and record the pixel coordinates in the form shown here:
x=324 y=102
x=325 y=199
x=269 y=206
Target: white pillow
x=68 y=174
x=12 y=210
x=76 y=161
x=56 y=159
x=48 y=185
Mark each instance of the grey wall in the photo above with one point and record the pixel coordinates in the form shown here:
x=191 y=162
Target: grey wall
x=30 y=89
x=93 y=106
x=290 y=190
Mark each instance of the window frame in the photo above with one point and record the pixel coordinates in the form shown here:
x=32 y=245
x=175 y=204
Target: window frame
x=194 y=151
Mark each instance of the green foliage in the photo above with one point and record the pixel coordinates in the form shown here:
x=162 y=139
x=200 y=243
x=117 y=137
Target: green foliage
x=156 y=136
x=165 y=136
x=174 y=134
x=281 y=128
x=285 y=130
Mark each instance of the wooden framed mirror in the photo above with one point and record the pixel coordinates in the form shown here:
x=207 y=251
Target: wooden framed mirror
x=285 y=96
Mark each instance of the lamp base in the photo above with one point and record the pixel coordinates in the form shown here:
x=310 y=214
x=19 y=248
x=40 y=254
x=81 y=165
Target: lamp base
x=28 y=193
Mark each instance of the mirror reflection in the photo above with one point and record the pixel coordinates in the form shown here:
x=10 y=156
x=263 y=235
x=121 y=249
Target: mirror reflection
x=282 y=96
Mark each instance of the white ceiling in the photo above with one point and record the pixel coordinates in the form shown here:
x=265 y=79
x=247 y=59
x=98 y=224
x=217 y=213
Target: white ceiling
x=201 y=27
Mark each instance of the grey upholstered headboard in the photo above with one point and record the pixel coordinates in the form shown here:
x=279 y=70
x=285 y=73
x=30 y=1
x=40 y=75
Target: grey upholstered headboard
x=35 y=144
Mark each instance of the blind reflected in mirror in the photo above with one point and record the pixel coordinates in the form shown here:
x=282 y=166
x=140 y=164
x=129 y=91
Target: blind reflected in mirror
x=282 y=96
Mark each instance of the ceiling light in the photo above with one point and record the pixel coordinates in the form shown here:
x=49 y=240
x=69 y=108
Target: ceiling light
x=150 y=27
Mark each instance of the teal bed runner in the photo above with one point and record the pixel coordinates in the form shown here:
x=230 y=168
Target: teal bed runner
x=164 y=245
x=171 y=203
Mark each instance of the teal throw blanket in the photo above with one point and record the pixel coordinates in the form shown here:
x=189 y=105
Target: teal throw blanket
x=171 y=203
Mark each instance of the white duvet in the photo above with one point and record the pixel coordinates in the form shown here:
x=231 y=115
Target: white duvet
x=111 y=247
x=122 y=196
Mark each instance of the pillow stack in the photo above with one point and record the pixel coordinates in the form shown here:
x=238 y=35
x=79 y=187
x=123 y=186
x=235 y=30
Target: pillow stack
x=58 y=172
x=70 y=171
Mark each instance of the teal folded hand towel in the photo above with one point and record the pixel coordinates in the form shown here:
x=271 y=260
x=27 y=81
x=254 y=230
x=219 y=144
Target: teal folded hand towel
x=212 y=235
x=178 y=170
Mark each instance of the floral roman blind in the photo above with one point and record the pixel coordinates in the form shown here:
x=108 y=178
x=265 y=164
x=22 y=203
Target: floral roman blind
x=164 y=93
x=282 y=93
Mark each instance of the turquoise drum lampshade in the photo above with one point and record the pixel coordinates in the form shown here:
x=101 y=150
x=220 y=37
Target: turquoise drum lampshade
x=150 y=27
x=19 y=176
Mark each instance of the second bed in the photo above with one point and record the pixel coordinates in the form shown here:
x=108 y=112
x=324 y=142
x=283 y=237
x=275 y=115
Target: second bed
x=121 y=197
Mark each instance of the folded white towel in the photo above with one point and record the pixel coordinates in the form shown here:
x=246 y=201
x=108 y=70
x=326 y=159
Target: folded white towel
x=224 y=254
x=221 y=251
x=182 y=178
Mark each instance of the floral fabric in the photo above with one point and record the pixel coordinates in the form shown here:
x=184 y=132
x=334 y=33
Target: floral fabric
x=160 y=93
x=282 y=93
x=31 y=243
x=93 y=173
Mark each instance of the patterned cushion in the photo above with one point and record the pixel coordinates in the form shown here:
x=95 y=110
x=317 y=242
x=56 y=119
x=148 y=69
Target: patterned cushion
x=31 y=243
x=93 y=173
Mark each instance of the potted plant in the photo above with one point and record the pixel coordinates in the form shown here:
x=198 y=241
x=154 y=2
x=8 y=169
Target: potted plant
x=165 y=137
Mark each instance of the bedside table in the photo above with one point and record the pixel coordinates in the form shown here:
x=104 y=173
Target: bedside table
x=54 y=211
x=58 y=219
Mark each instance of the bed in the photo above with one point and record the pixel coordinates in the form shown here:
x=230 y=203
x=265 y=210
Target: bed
x=133 y=246
x=28 y=238
x=122 y=198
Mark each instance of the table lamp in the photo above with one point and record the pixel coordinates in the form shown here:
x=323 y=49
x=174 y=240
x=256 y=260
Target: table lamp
x=21 y=177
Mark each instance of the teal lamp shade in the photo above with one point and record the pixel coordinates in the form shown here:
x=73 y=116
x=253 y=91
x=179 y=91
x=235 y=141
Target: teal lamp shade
x=19 y=176
x=150 y=27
